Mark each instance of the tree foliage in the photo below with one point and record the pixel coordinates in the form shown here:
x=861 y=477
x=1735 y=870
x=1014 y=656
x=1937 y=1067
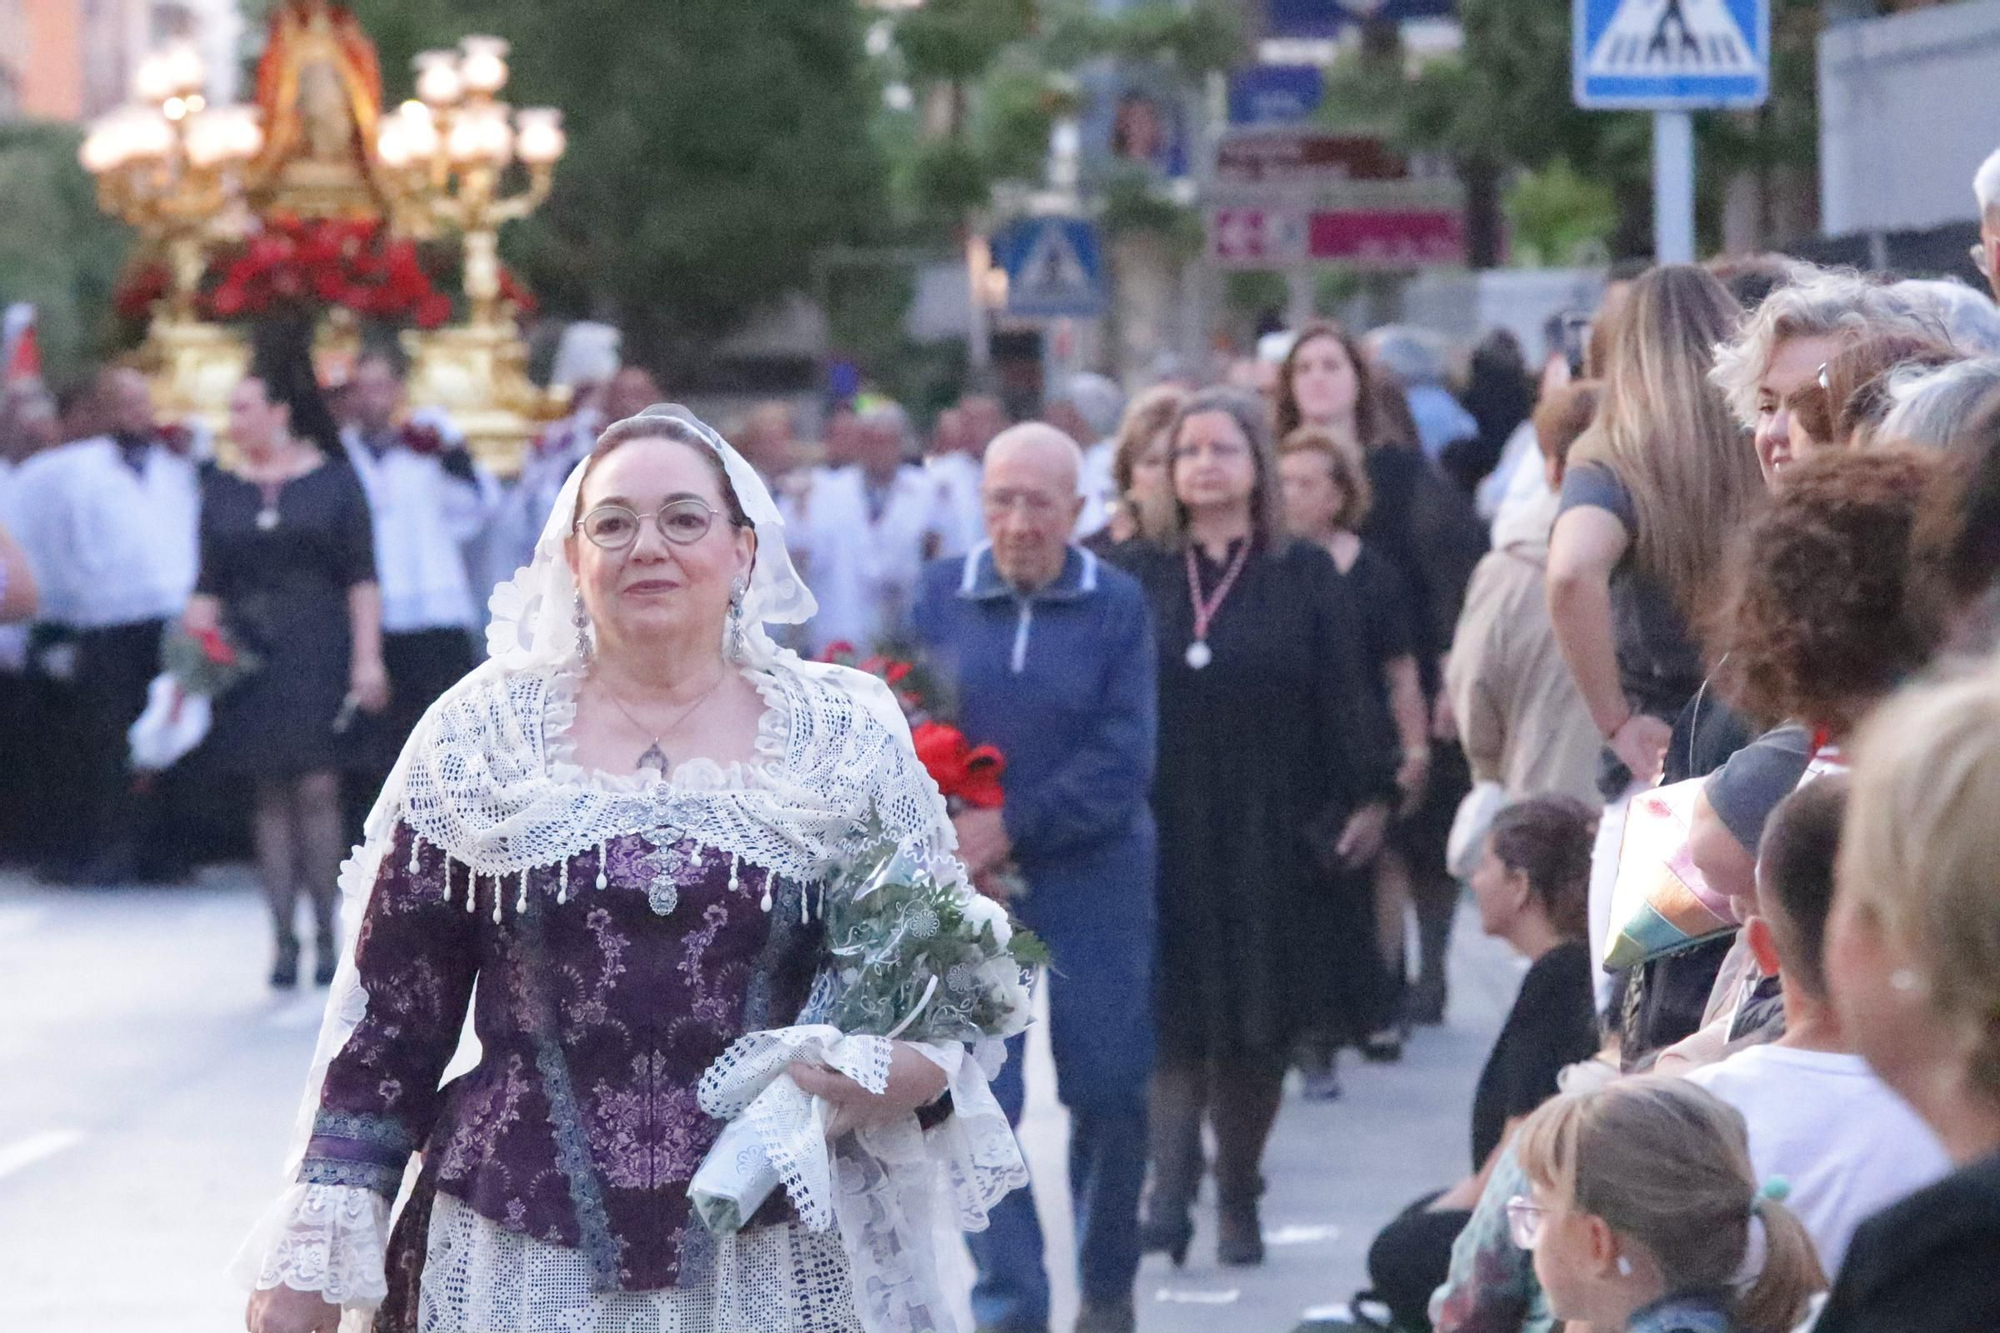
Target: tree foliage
x=57 y=251
x=715 y=146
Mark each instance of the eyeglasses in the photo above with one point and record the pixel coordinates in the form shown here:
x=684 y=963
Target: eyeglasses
x=1525 y=1219
x=682 y=522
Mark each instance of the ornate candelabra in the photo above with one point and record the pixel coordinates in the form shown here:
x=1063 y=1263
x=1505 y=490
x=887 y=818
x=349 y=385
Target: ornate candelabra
x=445 y=162
x=171 y=166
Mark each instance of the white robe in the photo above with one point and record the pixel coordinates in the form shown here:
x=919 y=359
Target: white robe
x=865 y=573
x=108 y=545
x=424 y=518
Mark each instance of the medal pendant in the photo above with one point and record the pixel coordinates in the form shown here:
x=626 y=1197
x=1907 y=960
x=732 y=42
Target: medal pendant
x=654 y=758
x=1199 y=655
x=267 y=518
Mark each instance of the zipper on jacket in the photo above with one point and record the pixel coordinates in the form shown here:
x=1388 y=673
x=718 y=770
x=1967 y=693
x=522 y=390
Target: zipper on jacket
x=1021 y=636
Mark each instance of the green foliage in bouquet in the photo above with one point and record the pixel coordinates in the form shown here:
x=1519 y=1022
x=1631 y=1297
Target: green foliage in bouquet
x=208 y=664
x=917 y=959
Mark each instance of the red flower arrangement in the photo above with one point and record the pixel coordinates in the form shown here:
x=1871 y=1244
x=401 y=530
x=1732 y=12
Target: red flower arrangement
x=302 y=264
x=967 y=775
x=328 y=261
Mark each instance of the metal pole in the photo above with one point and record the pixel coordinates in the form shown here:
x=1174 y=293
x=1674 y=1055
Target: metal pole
x=1673 y=187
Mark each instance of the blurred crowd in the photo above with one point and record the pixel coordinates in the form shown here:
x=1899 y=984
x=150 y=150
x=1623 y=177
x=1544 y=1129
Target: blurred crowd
x=1667 y=643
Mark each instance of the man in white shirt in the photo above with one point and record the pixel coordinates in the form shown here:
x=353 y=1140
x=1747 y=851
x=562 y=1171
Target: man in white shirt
x=1818 y=1116
x=109 y=525
x=861 y=532
x=429 y=502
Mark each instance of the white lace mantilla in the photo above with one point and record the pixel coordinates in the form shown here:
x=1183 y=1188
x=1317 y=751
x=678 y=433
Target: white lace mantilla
x=494 y=783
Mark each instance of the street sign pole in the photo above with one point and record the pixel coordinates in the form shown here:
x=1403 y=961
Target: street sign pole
x=1673 y=187
x=1671 y=57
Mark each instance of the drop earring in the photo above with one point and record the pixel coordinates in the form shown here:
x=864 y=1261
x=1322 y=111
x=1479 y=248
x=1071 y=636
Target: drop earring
x=732 y=646
x=581 y=619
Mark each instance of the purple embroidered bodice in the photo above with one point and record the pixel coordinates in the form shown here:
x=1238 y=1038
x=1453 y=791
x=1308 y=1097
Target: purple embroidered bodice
x=597 y=1016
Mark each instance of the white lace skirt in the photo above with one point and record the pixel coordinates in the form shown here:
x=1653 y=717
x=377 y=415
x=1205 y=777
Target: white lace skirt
x=482 y=1278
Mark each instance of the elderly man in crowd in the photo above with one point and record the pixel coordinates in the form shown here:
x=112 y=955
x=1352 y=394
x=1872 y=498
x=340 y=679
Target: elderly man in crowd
x=109 y=527
x=1051 y=657
x=862 y=527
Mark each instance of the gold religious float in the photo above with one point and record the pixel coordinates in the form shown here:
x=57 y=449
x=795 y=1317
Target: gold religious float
x=317 y=163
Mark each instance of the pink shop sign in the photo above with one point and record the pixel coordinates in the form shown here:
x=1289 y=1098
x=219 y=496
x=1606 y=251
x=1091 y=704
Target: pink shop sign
x=1387 y=237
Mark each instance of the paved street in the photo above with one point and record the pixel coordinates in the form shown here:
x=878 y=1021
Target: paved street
x=150 y=1079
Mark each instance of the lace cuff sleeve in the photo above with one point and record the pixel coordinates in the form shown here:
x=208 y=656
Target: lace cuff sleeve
x=325 y=1238
x=974 y=1147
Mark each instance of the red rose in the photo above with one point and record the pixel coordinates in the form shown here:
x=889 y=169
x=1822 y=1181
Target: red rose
x=962 y=772
x=840 y=650
x=216 y=648
x=433 y=311
x=897 y=672
x=229 y=301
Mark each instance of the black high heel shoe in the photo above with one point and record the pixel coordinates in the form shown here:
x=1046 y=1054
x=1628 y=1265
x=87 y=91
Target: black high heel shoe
x=285 y=970
x=1239 y=1242
x=1170 y=1236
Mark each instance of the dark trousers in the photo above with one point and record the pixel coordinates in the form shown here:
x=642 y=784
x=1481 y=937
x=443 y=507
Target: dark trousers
x=422 y=664
x=113 y=828
x=1411 y=1258
x=1101 y=1035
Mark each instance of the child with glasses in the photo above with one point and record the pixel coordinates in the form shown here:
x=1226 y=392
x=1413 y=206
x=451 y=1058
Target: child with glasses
x=1645 y=1215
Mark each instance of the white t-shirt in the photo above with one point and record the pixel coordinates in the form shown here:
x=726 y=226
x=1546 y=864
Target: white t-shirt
x=1823 y=1121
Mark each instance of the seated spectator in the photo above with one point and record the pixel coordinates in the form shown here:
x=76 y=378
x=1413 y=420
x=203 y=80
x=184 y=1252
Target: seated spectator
x=1641 y=1213
x=1913 y=966
x=1520 y=716
x=1530 y=887
x=1818 y=1117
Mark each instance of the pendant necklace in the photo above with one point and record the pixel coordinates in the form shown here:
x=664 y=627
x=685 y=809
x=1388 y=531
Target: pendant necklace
x=267 y=515
x=655 y=757
x=1199 y=654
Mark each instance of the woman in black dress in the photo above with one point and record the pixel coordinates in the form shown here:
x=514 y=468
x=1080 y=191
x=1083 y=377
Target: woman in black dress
x=1275 y=766
x=1327 y=499
x=288 y=572
x=1428 y=530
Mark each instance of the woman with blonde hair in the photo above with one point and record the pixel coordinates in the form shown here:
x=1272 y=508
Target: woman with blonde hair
x=1646 y=1215
x=1653 y=494
x=1913 y=967
x=1144 y=508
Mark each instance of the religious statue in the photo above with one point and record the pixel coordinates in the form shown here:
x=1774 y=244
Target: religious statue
x=320 y=87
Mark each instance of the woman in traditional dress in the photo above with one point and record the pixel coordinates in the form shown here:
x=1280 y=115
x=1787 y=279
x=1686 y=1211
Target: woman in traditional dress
x=628 y=827
x=1276 y=768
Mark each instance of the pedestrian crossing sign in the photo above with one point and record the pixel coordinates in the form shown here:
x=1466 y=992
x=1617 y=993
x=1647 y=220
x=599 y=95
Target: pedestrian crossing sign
x=1053 y=267
x=1671 y=55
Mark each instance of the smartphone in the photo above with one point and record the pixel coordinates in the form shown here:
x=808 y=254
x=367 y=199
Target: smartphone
x=1576 y=342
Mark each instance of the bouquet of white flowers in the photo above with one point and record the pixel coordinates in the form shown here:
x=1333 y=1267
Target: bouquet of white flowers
x=912 y=958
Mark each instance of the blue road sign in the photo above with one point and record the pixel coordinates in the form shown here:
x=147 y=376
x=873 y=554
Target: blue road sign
x=1330 y=18
x=1671 y=55
x=1275 y=94
x=1054 y=267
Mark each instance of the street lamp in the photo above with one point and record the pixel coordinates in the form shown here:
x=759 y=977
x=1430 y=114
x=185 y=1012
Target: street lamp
x=444 y=159
x=169 y=164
